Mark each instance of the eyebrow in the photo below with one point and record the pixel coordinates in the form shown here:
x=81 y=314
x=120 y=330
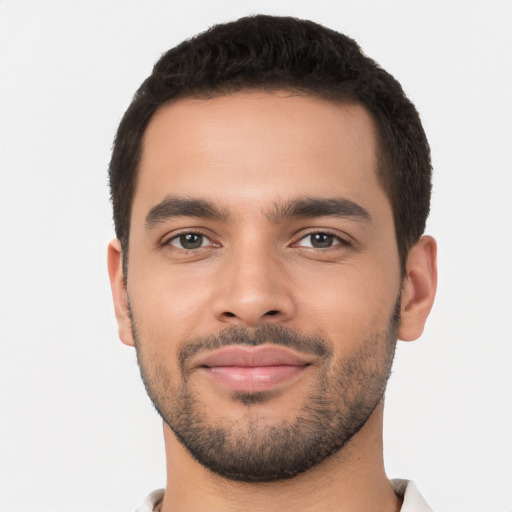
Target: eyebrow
x=308 y=207
x=172 y=207
x=311 y=207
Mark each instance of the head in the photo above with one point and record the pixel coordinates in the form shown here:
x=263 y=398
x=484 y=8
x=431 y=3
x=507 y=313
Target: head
x=264 y=53
x=270 y=188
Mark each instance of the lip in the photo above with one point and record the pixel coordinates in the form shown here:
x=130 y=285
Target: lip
x=253 y=369
x=247 y=356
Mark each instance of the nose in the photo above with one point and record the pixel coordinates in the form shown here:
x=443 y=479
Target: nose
x=253 y=288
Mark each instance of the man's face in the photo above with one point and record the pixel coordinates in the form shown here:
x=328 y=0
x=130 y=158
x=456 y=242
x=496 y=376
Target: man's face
x=263 y=278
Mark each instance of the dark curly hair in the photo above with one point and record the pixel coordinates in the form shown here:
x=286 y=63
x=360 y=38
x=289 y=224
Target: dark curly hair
x=270 y=53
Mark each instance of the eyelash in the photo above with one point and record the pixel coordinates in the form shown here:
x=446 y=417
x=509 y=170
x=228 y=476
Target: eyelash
x=178 y=236
x=341 y=241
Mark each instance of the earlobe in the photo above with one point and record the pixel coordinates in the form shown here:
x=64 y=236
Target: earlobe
x=418 y=289
x=117 y=283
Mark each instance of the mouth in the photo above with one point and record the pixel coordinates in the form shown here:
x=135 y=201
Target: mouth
x=250 y=369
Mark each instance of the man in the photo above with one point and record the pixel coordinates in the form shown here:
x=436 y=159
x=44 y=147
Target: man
x=270 y=187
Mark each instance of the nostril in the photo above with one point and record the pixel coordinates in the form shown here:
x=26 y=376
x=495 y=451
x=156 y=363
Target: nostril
x=247 y=318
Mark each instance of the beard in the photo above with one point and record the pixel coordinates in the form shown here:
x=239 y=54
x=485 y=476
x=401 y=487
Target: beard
x=342 y=397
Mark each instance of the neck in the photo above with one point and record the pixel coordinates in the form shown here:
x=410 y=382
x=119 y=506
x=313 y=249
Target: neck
x=352 y=480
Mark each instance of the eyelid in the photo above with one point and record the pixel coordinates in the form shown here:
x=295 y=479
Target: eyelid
x=169 y=237
x=343 y=239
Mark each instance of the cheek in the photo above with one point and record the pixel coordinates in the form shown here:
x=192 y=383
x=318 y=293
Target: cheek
x=168 y=303
x=347 y=301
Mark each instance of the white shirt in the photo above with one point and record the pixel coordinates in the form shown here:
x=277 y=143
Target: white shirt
x=413 y=502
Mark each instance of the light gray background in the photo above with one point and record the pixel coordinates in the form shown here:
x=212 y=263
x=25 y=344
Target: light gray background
x=77 y=431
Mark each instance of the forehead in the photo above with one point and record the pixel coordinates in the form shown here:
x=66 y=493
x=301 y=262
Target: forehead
x=252 y=148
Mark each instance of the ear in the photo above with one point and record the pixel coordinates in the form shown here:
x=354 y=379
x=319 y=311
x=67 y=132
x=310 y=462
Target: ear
x=418 y=288
x=117 y=283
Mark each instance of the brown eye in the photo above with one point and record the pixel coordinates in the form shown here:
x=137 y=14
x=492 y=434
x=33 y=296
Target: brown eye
x=189 y=241
x=320 y=240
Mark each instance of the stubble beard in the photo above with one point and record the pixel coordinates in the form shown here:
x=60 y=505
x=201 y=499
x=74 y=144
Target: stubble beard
x=342 y=398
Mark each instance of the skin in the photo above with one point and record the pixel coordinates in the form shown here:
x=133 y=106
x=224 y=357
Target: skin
x=247 y=153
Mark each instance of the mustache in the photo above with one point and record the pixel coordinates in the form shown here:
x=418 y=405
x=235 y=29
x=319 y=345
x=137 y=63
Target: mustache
x=264 y=334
